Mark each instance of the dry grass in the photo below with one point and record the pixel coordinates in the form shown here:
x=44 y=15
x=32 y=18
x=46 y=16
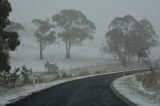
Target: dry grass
x=149 y=81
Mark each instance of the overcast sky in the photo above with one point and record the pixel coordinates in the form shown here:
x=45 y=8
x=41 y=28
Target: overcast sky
x=101 y=12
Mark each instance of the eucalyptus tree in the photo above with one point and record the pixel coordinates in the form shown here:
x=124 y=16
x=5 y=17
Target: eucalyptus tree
x=74 y=28
x=126 y=37
x=44 y=33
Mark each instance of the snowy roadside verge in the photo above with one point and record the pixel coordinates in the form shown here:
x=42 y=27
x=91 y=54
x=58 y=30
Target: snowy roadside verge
x=133 y=90
x=12 y=95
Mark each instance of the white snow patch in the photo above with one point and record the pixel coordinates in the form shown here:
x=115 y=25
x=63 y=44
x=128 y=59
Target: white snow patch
x=132 y=89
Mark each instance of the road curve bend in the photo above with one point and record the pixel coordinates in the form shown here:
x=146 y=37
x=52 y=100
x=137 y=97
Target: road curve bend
x=92 y=91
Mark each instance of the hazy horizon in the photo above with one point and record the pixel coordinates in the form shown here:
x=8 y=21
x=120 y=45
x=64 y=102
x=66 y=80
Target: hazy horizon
x=100 y=12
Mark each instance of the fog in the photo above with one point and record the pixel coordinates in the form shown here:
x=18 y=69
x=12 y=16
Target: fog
x=101 y=12
x=52 y=42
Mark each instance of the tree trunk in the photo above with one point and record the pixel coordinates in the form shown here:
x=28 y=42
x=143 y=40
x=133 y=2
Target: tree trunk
x=41 y=53
x=123 y=59
x=68 y=56
x=138 y=59
x=41 y=50
x=68 y=47
x=129 y=59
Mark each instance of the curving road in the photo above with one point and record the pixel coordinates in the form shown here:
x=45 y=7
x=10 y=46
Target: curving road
x=93 y=91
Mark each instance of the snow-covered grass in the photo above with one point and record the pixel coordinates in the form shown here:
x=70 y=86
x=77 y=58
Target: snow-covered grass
x=133 y=90
x=86 y=55
x=28 y=53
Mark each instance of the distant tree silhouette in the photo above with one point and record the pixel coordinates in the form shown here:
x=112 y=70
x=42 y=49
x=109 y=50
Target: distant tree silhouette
x=126 y=37
x=44 y=33
x=75 y=28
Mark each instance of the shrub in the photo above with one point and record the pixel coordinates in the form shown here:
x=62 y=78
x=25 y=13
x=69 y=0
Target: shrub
x=83 y=73
x=149 y=80
x=26 y=74
x=9 y=79
x=14 y=77
x=51 y=68
x=4 y=78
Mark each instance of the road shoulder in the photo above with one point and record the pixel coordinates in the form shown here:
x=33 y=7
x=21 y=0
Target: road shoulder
x=132 y=92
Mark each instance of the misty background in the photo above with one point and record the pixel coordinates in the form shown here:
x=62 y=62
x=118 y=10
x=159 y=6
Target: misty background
x=49 y=42
x=101 y=12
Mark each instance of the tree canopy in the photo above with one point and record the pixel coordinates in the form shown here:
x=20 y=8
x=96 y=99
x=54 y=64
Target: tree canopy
x=8 y=40
x=44 y=33
x=75 y=27
x=5 y=9
x=126 y=37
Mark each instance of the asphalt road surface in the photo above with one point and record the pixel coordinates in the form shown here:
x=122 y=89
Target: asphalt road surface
x=93 y=91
